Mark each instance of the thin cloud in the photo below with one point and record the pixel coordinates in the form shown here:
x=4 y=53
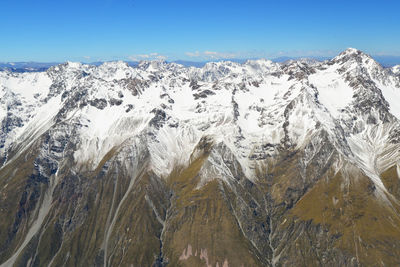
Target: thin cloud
x=211 y=55
x=193 y=54
x=214 y=55
x=305 y=53
x=151 y=56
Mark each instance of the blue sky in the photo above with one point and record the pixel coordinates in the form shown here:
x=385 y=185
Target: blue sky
x=89 y=30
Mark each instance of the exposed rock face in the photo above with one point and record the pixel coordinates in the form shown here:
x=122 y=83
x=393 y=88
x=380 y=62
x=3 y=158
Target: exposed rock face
x=254 y=164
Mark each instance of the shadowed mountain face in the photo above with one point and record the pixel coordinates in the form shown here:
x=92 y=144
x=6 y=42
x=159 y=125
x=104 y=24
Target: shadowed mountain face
x=253 y=164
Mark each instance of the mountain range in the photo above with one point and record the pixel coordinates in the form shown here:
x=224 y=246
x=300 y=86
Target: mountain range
x=386 y=61
x=258 y=163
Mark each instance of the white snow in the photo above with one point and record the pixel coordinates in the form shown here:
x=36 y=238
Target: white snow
x=27 y=85
x=396 y=69
x=261 y=90
x=333 y=92
x=391 y=93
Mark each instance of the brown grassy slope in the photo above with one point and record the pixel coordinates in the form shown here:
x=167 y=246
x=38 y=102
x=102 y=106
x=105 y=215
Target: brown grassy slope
x=369 y=228
x=21 y=190
x=201 y=229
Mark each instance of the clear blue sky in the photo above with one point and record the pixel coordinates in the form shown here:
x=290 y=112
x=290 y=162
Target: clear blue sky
x=88 y=30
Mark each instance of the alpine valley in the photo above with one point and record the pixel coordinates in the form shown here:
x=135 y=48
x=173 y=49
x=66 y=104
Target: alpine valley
x=253 y=164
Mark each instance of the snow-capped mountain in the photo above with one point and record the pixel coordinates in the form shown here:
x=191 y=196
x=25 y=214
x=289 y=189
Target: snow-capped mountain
x=231 y=164
x=396 y=69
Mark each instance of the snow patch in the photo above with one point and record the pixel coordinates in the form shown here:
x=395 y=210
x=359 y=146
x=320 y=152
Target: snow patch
x=333 y=91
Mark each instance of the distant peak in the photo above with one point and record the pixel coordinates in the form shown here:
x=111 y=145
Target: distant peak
x=158 y=65
x=259 y=61
x=153 y=63
x=115 y=64
x=74 y=65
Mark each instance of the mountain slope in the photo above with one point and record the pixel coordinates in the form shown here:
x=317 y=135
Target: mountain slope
x=230 y=164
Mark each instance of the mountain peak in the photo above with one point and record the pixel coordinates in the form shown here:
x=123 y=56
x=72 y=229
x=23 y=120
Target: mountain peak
x=115 y=64
x=352 y=53
x=354 y=59
x=351 y=50
x=73 y=65
x=152 y=65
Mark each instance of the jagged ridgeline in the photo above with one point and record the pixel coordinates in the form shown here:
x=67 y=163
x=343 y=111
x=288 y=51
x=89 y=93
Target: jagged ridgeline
x=254 y=164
